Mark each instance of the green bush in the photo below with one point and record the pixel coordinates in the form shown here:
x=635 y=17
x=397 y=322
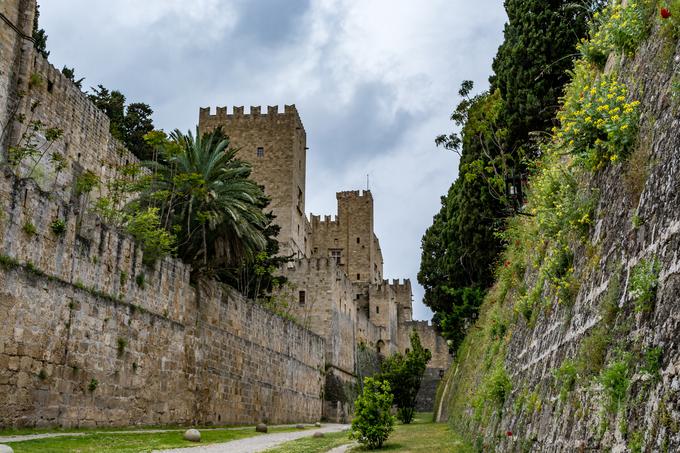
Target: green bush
x=372 y=423
x=597 y=122
x=615 y=381
x=145 y=227
x=29 y=229
x=617 y=28
x=86 y=182
x=644 y=280
x=58 y=227
x=652 y=361
x=565 y=378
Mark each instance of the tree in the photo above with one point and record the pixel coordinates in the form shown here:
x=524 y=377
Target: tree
x=128 y=123
x=461 y=246
x=206 y=198
x=70 y=73
x=39 y=35
x=404 y=374
x=531 y=66
x=373 y=423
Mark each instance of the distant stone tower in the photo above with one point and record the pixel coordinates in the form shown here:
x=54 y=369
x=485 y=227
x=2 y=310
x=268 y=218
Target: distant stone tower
x=275 y=145
x=350 y=239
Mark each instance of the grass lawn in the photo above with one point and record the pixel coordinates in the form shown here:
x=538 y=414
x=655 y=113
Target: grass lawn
x=421 y=436
x=129 y=443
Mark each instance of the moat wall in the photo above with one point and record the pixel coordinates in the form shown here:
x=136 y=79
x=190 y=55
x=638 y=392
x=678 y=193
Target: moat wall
x=88 y=341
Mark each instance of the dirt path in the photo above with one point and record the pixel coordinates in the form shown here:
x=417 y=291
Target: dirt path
x=258 y=443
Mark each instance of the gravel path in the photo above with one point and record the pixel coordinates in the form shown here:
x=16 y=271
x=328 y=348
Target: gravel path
x=258 y=443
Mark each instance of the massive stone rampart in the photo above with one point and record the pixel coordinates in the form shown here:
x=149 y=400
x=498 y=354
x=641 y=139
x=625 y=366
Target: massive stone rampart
x=92 y=336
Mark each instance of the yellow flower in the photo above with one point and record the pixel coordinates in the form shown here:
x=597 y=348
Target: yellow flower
x=588 y=119
x=614 y=157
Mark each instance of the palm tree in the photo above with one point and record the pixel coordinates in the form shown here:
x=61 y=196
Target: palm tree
x=206 y=199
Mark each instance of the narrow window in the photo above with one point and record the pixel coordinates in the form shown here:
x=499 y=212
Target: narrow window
x=302 y=297
x=407 y=350
x=358 y=276
x=358 y=240
x=358 y=296
x=260 y=151
x=377 y=309
x=378 y=349
x=335 y=255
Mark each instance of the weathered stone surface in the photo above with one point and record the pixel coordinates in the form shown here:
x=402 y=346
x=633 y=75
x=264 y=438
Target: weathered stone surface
x=319 y=434
x=261 y=428
x=300 y=426
x=192 y=435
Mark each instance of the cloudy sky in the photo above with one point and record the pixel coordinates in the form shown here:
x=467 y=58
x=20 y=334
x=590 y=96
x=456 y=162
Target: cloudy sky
x=374 y=80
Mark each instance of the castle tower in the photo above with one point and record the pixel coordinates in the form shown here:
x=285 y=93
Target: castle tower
x=350 y=239
x=275 y=145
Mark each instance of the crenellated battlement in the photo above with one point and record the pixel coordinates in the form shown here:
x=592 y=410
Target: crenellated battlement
x=326 y=222
x=255 y=113
x=354 y=194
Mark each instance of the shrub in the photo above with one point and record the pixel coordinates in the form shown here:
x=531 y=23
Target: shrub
x=145 y=227
x=92 y=386
x=86 y=182
x=498 y=386
x=617 y=28
x=58 y=227
x=140 y=279
x=593 y=351
x=121 y=345
x=652 y=360
x=644 y=280
x=615 y=381
x=372 y=422
x=29 y=229
x=597 y=123
x=565 y=378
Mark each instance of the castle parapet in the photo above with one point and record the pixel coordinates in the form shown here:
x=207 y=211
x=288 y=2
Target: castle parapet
x=255 y=112
x=349 y=194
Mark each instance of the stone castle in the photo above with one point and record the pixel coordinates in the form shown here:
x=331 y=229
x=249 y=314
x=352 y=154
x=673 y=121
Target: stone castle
x=93 y=336
x=337 y=286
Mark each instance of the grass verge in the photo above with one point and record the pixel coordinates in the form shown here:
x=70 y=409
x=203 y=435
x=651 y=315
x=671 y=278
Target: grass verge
x=131 y=443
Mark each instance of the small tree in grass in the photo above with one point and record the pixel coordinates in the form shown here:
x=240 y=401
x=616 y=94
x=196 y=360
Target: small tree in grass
x=404 y=373
x=372 y=422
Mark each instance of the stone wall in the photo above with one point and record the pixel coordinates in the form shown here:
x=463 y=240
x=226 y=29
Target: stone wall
x=280 y=167
x=92 y=343
x=651 y=410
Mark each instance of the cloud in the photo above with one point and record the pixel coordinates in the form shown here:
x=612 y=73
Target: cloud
x=375 y=81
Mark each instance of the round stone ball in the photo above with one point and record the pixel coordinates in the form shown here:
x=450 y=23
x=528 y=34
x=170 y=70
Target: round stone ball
x=317 y=424
x=192 y=435
x=261 y=428
x=318 y=434
x=300 y=426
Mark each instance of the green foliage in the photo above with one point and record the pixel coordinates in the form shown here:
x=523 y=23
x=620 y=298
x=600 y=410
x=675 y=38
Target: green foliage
x=29 y=229
x=616 y=28
x=644 y=280
x=652 y=361
x=121 y=344
x=636 y=442
x=145 y=227
x=205 y=197
x=593 y=351
x=70 y=73
x=86 y=182
x=531 y=67
x=140 y=279
x=598 y=123
x=92 y=386
x=565 y=378
x=39 y=35
x=58 y=227
x=498 y=386
x=615 y=381
x=404 y=374
x=372 y=423
x=459 y=249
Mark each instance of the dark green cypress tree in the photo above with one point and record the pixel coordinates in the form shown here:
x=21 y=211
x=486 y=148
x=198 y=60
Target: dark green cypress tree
x=531 y=65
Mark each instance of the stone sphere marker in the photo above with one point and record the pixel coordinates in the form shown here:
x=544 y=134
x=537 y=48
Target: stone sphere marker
x=192 y=435
x=261 y=428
